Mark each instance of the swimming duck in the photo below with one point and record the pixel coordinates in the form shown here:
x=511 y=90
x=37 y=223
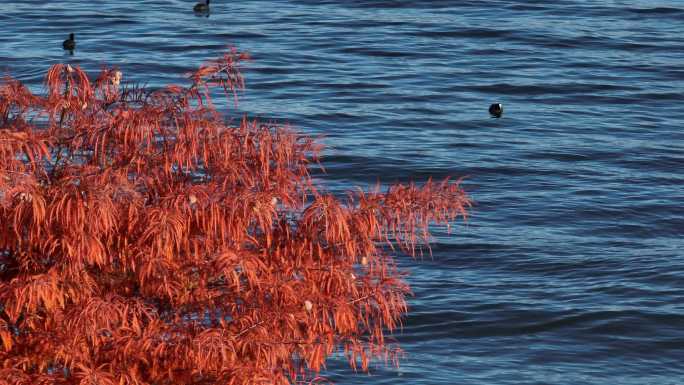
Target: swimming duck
x=70 y=43
x=201 y=7
x=496 y=110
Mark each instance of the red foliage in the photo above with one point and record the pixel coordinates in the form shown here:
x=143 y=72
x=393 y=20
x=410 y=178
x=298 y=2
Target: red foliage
x=145 y=241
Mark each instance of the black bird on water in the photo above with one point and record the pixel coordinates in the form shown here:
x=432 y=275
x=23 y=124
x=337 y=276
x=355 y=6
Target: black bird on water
x=201 y=7
x=496 y=110
x=70 y=43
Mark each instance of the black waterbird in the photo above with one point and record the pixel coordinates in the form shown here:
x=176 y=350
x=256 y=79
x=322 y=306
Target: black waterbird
x=496 y=110
x=201 y=7
x=70 y=43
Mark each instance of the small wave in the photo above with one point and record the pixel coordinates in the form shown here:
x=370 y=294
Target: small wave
x=465 y=32
x=656 y=11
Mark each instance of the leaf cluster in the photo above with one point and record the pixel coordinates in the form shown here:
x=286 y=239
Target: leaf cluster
x=145 y=240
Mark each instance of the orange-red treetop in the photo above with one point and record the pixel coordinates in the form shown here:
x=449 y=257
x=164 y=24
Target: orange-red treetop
x=145 y=241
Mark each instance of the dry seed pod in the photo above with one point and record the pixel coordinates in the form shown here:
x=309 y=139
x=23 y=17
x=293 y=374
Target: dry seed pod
x=116 y=79
x=25 y=197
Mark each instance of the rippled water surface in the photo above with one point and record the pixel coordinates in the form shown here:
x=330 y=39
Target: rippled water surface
x=571 y=268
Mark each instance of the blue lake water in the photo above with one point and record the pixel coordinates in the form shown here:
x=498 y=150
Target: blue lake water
x=571 y=268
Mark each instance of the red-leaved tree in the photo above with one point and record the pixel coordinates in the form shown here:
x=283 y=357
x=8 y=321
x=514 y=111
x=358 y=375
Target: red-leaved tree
x=144 y=240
